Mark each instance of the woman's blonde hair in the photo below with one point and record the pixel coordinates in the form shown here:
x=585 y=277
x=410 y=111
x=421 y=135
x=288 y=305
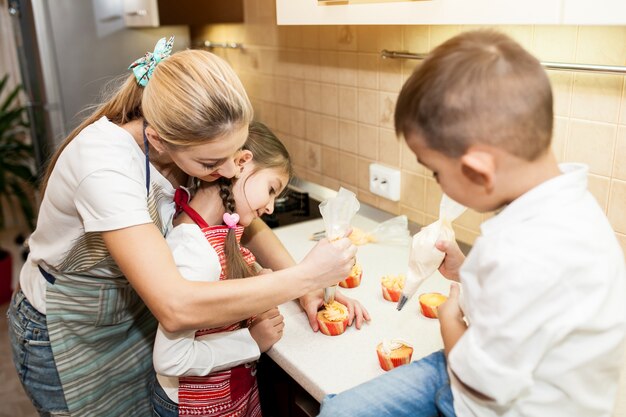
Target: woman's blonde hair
x=193 y=97
x=268 y=152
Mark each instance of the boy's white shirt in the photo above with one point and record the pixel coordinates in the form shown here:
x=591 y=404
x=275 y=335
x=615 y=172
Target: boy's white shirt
x=543 y=291
x=181 y=353
x=99 y=184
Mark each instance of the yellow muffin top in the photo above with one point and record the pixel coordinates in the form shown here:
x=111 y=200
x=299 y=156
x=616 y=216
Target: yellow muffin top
x=356 y=270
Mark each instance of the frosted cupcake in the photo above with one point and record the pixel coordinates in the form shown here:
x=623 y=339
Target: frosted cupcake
x=393 y=353
x=354 y=279
x=333 y=319
x=392 y=286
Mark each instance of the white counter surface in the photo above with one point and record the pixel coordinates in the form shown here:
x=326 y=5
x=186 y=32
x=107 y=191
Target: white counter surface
x=330 y=364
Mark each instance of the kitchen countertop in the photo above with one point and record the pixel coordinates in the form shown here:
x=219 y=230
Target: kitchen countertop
x=330 y=364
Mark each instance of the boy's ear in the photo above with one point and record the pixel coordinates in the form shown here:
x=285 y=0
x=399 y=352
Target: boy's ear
x=479 y=166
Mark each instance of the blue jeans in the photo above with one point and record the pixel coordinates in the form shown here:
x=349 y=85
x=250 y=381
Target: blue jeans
x=419 y=389
x=162 y=406
x=33 y=359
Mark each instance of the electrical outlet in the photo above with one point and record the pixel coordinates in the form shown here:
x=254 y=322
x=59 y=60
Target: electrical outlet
x=385 y=182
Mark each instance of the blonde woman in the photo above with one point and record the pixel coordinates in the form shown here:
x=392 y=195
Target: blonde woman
x=100 y=271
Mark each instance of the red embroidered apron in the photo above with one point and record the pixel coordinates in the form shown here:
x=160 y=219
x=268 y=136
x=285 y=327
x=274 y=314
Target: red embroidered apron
x=229 y=393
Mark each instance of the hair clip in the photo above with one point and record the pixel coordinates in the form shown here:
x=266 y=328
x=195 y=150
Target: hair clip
x=144 y=66
x=231 y=219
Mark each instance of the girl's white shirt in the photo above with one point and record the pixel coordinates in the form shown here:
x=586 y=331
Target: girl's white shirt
x=98 y=184
x=181 y=353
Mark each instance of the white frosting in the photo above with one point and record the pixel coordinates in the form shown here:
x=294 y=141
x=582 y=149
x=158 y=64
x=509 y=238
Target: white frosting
x=389 y=345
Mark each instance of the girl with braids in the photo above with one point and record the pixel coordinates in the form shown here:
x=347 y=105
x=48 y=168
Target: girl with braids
x=99 y=272
x=210 y=372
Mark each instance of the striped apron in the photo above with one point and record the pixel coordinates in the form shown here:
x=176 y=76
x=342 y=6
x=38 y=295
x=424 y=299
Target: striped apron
x=232 y=392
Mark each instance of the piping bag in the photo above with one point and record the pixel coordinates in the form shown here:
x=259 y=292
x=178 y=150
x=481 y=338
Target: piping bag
x=425 y=258
x=337 y=213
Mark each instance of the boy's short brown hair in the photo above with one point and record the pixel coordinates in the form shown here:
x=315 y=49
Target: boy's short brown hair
x=478 y=87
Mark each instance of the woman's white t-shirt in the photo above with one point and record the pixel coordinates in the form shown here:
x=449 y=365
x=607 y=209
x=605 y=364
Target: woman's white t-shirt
x=98 y=184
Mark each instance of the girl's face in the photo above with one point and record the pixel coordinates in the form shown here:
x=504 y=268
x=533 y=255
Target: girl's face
x=212 y=160
x=255 y=192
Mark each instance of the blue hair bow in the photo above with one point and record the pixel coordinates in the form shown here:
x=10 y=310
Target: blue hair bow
x=144 y=66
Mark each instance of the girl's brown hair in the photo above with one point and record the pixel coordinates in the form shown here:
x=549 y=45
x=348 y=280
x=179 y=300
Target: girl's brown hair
x=478 y=87
x=193 y=97
x=267 y=152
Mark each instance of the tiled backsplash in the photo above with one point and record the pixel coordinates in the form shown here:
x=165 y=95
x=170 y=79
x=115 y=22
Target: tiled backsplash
x=330 y=97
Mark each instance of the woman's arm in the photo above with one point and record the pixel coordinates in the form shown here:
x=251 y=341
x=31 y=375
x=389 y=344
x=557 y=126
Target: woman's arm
x=145 y=259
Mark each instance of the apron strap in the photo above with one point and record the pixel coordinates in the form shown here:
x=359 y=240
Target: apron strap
x=47 y=275
x=181 y=199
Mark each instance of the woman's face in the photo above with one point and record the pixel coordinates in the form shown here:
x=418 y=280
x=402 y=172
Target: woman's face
x=212 y=160
x=255 y=192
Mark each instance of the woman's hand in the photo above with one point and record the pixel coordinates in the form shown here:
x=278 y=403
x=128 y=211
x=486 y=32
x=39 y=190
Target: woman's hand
x=453 y=260
x=267 y=328
x=313 y=301
x=330 y=262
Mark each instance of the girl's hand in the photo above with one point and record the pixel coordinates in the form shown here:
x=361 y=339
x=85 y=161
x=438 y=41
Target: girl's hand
x=267 y=328
x=313 y=301
x=453 y=260
x=330 y=262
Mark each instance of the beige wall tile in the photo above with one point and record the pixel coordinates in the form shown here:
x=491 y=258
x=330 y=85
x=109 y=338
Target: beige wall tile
x=368 y=141
x=348 y=168
x=329 y=67
x=440 y=34
x=416 y=39
x=367 y=104
x=562 y=87
x=281 y=91
x=346 y=38
x=433 y=198
x=367 y=38
x=555 y=43
x=314 y=127
x=617 y=202
x=348 y=138
x=593 y=144
x=559 y=137
x=330 y=131
x=363 y=173
x=348 y=108
x=597 y=97
x=312 y=71
x=388 y=147
x=622 y=113
x=297 y=150
x=413 y=191
x=265 y=113
x=387 y=109
x=330 y=162
x=329 y=100
x=328 y=37
x=389 y=206
x=367 y=75
x=310 y=37
x=470 y=219
x=601 y=45
x=465 y=235
x=267 y=59
x=619 y=161
x=298 y=123
x=390 y=77
x=313 y=156
x=331 y=183
x=389 y=37
x=348 y=67
x=367 y=198
x=312 y=97
x=296 y=94
x=599 y=187
x=283 y=119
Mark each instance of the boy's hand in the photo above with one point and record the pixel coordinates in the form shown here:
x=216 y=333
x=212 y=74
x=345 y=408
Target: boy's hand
x=453 y=260
x=267 y=328
x=313 y=301
x=451 y=319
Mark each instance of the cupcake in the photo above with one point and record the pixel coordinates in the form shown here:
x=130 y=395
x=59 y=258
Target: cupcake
x=393 y=353
x=429 y=303
x=333 y=319
x=392 y=286
x=354 y=279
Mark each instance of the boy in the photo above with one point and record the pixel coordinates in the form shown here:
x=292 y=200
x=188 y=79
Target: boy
x=544 y=284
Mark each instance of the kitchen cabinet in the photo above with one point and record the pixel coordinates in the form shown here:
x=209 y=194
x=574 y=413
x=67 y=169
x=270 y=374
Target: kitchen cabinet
x=438 y=12
x=152 y=13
